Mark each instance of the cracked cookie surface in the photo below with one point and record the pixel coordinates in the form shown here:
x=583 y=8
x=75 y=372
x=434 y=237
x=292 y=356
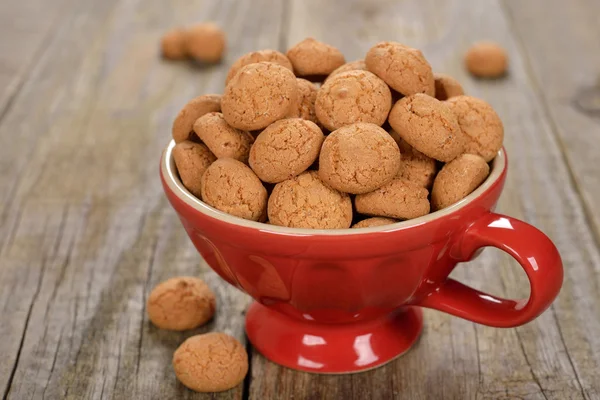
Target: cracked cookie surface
x=191 y=160
x=183 y=125
x=446 y=87
x=305 y=106
x=272 y=56
x=223 y=140
x=457 y=179
x=312 y=57
x=399 y=199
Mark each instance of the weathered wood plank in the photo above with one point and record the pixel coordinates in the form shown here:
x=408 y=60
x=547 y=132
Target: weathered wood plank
x=86 y=230
x=455 y=358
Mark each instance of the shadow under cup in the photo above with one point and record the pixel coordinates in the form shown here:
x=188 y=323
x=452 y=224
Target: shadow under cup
x=340 y=301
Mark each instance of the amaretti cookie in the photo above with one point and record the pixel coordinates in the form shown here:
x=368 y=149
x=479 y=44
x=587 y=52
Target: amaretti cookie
x=353 y=96
x=212 y=362
x=403 y=68
x=416 y=166
x=172 y=44
x=486 y=60
x=446 y=87
x=306 y=202
x=305 y=105
x=232 y=187
x=285 y=149
x=192 y=159
x=272 y=56
x=258 y=95
x=312 y=57
x=358 y=65
x=358 y=158
x=181 y=303
x=482 y=127
x=399 y=199
x=429 y=126
x=375 y=221
x=224 y=141
x=458 y=179
x=183 y=125
x=205 y=42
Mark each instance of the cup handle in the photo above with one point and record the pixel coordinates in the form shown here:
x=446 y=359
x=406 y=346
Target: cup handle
x=530 y=247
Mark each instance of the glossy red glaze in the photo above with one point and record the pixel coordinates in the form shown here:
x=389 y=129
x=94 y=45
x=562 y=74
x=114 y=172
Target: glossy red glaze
x=344 y=300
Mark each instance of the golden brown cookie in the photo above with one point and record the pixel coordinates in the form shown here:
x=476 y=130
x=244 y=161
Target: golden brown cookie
x=205 y=42
x=428 y=125
x=181 y=303
x=403 y=68
x=306 y=202
x=312 y=57
x=481 y=126
x=212 y=362
x=305 y=105
x=358 y=158
x=223 y=140
x=232 y=187
x=446 y=87
x=257 y=56
x=183 y=125
x=192 y=159
x=400 y=199
x=415 y=166
x=358 y=65
x=258 y=95
x=172 y=44
x=375 y=221
x=285 y=149
x=486 y=60
x=457 y=180
x=353 y=96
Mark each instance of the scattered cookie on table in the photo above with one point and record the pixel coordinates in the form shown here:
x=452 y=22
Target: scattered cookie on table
x=403 y=68
x=172 y=44
x=258 y=95
x=183 y=125
x=205 y=42
x=458 y=179
x=212 y=362
x=191 y=160
x=446 y=87
x=232 y=187
x=311 y=57
x=180 y=304
x=224 y=141
x=285 y=149
x=428 y=125
x=486 y=60
x=353 y=96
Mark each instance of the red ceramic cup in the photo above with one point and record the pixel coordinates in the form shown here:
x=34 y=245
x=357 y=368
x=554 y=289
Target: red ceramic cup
x=338 y=301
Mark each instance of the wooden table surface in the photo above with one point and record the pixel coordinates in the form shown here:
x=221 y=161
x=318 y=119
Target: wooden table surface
x=86 y=106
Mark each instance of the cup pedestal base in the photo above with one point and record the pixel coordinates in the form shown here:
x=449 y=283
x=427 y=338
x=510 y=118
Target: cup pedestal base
x=332 y=348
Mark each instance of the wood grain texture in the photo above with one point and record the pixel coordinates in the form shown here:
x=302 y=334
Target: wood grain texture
x=86 y=230
x=456 y=359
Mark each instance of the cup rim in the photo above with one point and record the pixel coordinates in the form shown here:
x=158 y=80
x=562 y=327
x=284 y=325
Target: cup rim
x=172 y=181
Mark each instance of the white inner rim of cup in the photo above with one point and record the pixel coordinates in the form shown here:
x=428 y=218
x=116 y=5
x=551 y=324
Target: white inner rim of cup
x=172 y=179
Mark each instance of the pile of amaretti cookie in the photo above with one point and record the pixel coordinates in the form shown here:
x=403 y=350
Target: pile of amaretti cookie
x=384 y=133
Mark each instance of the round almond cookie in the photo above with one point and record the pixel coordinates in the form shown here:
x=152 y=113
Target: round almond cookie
x=306 y=202
x=415 y=166
x=181 y=303
x=230 y=186
x=305 y=106
x=312 y=57
x=400 y=199
x=446 y=87
x=358 y=65
x=172 y=44
x=223 y=140
x=183 y=125
x=403 y=68
x=212 y=362
x=285 y=149
x=486 y=60
x=353 y=96
x=258 y=95
x=205 y=42
x=358 y=158
x=272 y=56
x=481 y=126
x=457 y=179
x=192 y=159
x=428 y=125
x=375 y=221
